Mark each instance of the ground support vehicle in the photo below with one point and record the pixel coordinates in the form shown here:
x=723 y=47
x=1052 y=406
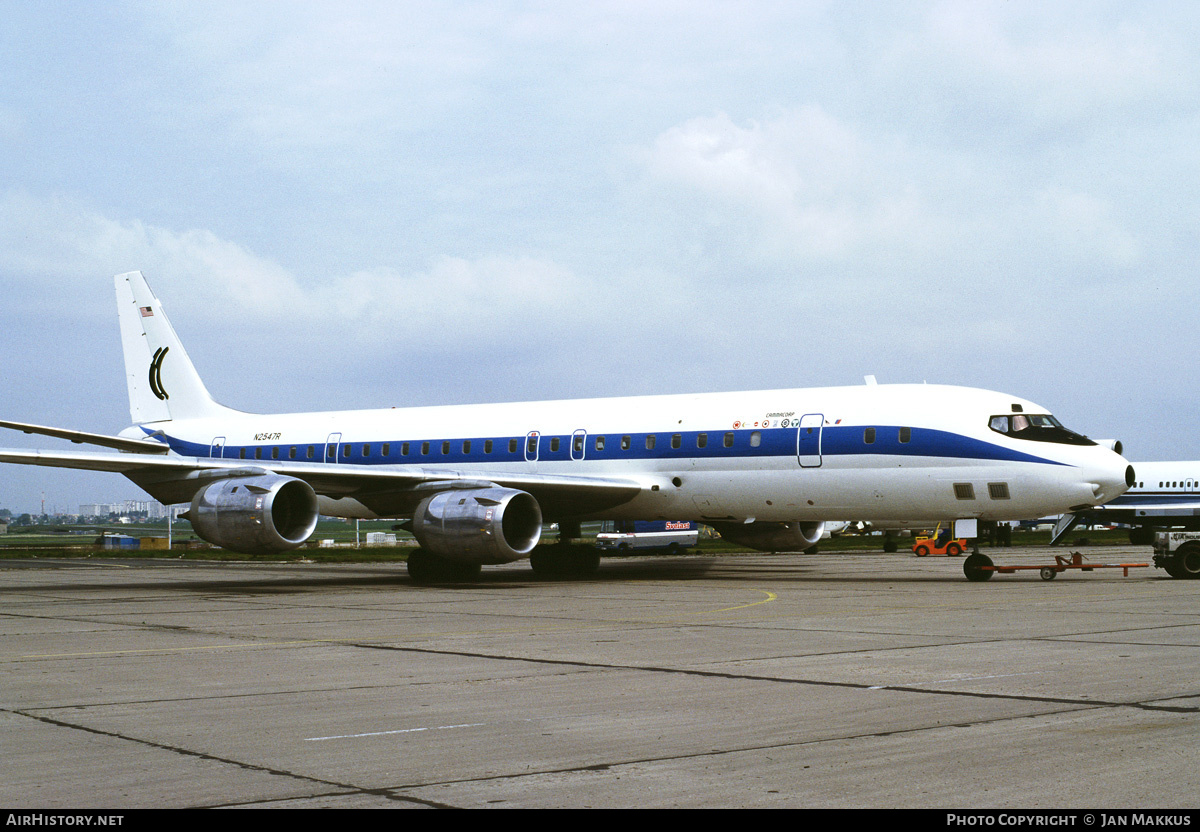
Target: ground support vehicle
x=1178 y=553
x=625 y=535
x=953 y=547
x=979 y=567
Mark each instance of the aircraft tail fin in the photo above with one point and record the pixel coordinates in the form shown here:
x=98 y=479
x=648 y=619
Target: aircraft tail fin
x=163 y=383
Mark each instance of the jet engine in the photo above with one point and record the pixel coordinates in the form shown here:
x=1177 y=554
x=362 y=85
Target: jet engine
x=478 y=525
x=772 y=537
x=255 y=515
x=1113 y=445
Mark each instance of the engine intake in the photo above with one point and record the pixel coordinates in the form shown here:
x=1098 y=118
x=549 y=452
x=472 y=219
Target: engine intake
x=479 y=525
x=255 y=515
x=772 y=537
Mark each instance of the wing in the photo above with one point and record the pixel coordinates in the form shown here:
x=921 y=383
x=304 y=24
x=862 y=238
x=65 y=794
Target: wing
x=387 y=490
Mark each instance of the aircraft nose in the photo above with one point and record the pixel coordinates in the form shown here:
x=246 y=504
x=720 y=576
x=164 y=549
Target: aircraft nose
x=1113 y=480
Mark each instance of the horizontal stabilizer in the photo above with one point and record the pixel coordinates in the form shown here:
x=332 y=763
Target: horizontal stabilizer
x=79 y=437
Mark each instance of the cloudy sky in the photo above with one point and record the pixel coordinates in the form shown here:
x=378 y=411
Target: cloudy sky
x=375 y=204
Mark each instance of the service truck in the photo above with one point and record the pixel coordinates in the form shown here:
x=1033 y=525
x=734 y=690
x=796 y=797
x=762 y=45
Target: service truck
x=1178 y=553
x=624 y=535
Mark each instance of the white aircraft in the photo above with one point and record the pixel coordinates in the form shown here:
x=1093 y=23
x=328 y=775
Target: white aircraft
x=1165 y=495
x=765 y=468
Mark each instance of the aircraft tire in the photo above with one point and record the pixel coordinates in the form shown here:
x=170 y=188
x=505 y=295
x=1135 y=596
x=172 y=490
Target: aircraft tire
x=1048 y=573
x=890 y=546
x=564 y=561
x=973 y=567
x=425 y=568
x=422 y=566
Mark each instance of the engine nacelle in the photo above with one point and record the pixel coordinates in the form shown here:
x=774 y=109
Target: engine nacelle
x=255 y=515
x=1113 y=445
x=772 y=537
x=479 y=525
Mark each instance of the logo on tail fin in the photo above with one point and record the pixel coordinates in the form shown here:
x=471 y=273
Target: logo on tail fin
x=156 y=373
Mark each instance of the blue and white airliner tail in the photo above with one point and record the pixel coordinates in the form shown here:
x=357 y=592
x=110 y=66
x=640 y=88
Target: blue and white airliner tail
x=475 y=483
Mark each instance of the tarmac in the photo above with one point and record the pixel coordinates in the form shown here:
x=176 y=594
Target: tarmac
x=830 y=680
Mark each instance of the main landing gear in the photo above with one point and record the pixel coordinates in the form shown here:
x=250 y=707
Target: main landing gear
x=424 y=567
x=565 y=559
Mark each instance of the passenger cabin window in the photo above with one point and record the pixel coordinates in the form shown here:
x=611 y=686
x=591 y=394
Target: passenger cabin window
x=676 y=440
x=756 y=439
x=487 y=446
x=312 y=452
x=387 y=448
x=366 y=450
x=258 y=453
x=599 y=443
x=512 y=446
x=446 y=447
x=403 y=449
x=626 y=443
x=869 y=436
x=577 y=443
x=702 y=440
x=424 y=448
x=1038 y=427
x=274 y=453
x=345 y=451
x=905 y=435
x=554 y=444
x=292 y=452
x=466 y=446
x=650 y=441
x=729 y=440
x=531 y=444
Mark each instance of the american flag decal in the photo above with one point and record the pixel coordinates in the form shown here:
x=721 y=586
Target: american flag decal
x=146 y=311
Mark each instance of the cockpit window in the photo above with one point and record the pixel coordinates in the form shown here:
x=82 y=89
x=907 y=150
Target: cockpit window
x=1038 y=427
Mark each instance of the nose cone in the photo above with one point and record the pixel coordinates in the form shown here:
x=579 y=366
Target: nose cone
x=1112 y=477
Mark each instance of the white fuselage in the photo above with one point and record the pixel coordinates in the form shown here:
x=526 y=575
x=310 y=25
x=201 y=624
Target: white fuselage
x=898 y=453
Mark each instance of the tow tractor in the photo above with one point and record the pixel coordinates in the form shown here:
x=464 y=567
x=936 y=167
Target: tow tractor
x=929 y=545
x=979 y=567
x=1178 y=553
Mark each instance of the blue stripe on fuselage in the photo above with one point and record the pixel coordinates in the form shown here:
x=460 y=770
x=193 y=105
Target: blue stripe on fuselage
x=836 y=441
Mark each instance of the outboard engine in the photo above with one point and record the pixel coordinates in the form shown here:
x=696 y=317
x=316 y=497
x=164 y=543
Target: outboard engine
x=772 y=537
x=257 y=515
x=478 y=525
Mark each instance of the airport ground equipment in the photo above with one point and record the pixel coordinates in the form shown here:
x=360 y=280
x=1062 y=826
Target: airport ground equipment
x=1178 y=553
x=928 y=545
x=979 y=567
x=625 y=535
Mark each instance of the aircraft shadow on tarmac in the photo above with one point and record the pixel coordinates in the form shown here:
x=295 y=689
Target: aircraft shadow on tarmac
x=284 y=578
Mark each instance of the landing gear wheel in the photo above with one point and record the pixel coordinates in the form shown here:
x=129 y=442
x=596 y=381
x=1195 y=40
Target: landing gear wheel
x=1048 y=573
x=564 y=561
x=425 y=568
x=977 y=567
x=421 y=566
x=890 y=545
